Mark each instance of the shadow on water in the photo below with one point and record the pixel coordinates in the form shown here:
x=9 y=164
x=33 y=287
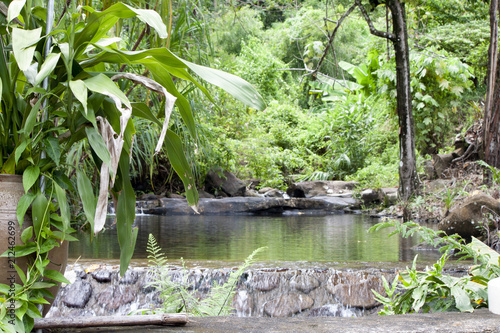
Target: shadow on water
x=295 y=238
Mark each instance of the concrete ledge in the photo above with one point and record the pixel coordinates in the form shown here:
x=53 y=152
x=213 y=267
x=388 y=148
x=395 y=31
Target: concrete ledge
x=480 y=321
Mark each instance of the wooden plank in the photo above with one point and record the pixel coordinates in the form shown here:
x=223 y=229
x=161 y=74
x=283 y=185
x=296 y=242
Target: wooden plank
x=172 y=319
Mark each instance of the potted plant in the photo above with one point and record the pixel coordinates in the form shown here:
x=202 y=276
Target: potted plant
x=65 y=87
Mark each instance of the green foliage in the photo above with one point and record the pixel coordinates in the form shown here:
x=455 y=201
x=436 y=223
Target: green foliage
x=468 y=41
x=257 y=64
x=494 y=172
x=177 y=292
x=236 y=27
x=433 y=290
x=438 y=82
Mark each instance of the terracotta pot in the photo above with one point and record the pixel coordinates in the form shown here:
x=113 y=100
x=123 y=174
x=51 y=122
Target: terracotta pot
x=11 y=190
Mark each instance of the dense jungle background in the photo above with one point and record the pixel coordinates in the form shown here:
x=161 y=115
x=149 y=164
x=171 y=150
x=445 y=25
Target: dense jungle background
x=331 y=111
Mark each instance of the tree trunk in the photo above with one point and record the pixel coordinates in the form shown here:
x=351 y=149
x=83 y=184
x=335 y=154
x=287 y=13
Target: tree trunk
x=491 y=129
x=408 y=180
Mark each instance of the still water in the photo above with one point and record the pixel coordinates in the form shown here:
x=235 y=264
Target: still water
x=233 y=238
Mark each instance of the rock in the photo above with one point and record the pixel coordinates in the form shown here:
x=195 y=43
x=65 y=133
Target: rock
x=204 y=194
x=430 y=172
x=332 y=310
x=441 y=163
x=264 y=282
x=175 y=196
x=78 y=294
x=218 y=180
x=263 y=190
x=102 y=275
x=273 y=193
x=252 y=193
x=114 y=297
x=304 y=283
x=287 y=305
x=320 y=188
x=147 y=197
x=130 y=277
x=355 y=290
x=437 y=185
x=388 y=195
x=466 y=217
x=252 y=205
x=370 y=196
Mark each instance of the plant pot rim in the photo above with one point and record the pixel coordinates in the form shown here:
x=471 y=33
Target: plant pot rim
x=4 y=177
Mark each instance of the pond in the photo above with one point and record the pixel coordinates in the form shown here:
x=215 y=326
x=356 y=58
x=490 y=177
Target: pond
x=298 y=238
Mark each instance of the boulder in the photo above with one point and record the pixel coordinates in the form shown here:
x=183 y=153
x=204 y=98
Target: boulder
x=206 y=195
x=78 y=294
x=370 y=196
x=274 y=193
x=467 y=217
x=287 y=305
x=388 y=195
x=442 y=162
x=251 y=205
x=430 y=172
x=218 y=180
x=355 y=289
x=309 y=189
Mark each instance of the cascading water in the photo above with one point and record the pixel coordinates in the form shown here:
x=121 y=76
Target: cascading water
x=261 y=292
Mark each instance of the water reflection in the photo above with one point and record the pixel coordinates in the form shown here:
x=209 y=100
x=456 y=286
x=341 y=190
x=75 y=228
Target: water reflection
x=233 y=238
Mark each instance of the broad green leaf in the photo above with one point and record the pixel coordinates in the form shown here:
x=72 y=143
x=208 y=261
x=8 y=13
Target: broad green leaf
x=30 y=122
x=143 y=111
x=20 y=311
x=47 y=67
x=42 y=285
x=62 y=200
x=23 y=46
x=20 y=149
x=483 y=249
x=56 y=276
x=181 y=166
x=39 y=212
x=30 y=176
x=15 y=8
x=98 y=145
x=86 y=193
x=21 y=274
x=125 y=216
x=53 y=149
x=27 y=234
x=462 y=300
x=32 y=310
x=151 y=18
x=22 y=206
x=234 y=85
x=80 y=91
x=22 y=250
x=104 y=85
x=162 y=76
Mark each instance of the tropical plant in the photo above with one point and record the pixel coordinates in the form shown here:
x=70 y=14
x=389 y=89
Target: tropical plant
x=83 y=100
x=177 y=292
x=433 y=290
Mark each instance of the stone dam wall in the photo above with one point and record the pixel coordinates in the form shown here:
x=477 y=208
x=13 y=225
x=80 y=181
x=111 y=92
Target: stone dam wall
x=273 y=292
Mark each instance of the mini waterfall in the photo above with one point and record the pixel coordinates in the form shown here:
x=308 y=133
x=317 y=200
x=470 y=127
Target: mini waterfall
x=260 y=292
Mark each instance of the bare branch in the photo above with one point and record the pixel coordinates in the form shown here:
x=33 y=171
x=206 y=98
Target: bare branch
x=373 y=31
x=332 y=36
